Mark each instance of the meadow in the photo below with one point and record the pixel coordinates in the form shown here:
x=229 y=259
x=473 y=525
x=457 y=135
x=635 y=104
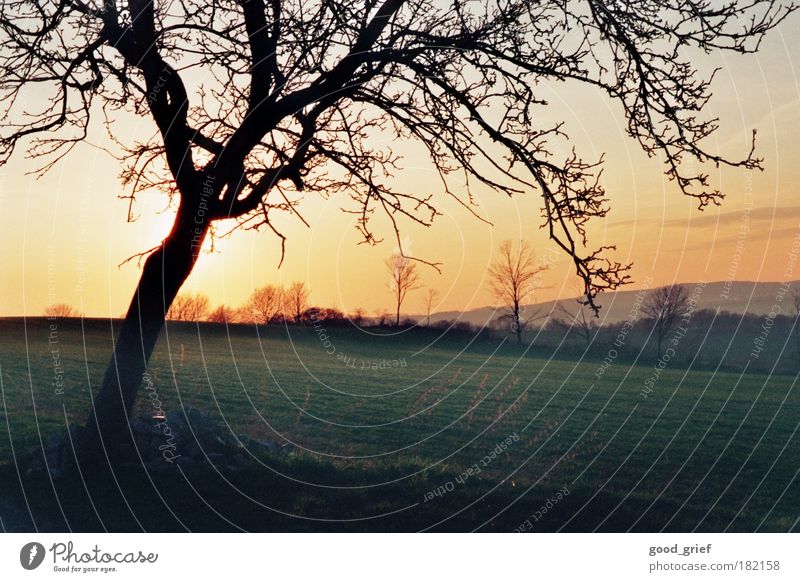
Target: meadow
x=409 y=430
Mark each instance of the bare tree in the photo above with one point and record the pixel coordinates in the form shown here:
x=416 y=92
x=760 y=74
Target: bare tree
x=382 y=317
x=665 y=306
x=431 y=297
x=61 y=310
x=581 y=320
x=223 y=314
x=187 y=307
x=513 y=279
x=403 y=278
x=295 y=300
x=287 y=96
x=264 y=303
x=358 y=317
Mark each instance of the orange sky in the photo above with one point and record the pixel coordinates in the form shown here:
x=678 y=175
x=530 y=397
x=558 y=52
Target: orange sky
x=64 y=235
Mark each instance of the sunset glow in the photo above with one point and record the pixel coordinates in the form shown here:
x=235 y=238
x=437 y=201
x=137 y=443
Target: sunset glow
x=65 y=235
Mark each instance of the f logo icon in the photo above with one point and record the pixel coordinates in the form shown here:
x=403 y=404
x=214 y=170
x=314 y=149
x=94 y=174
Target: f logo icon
x=31 y=555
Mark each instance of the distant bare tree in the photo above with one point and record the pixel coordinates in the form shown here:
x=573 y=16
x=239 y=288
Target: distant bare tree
x=358 y=316
x=665 y=306
x=403 y=278
x=513 y=279
x=264 y=303
x=582 y=320
x=223 y=314
x=295 y=300
x=381 y=317
x=187 y=307
x=431 y=297
x=61 y=310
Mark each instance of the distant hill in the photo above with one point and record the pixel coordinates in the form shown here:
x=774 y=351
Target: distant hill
x=736 y=297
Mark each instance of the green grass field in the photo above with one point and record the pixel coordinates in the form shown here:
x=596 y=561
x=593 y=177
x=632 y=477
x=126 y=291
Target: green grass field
x=381 y=421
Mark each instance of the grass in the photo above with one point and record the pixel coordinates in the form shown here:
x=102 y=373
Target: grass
x=703 y=451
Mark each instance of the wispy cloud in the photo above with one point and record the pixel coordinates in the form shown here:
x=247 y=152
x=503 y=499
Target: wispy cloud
x=755 y=235
x=766 y=214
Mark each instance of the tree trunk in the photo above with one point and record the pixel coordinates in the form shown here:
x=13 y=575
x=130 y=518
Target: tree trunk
x=164 y=272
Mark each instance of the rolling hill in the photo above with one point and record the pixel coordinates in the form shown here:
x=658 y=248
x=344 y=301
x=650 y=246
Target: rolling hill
x=733 y=296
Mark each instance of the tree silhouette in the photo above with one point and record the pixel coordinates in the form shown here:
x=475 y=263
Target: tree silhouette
x=61 y=310
x=513 y=279
x=431 y=297
x=223 y=314
x=403 y=278
x=187 y=307
x=358 y=317
x=256 y=104
x=665 y=306
x=295 y=300
x=264 y=304
x=578 y=320
x=381 y=317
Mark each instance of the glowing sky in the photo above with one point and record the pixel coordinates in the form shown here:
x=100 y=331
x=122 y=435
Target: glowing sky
x=63 y=236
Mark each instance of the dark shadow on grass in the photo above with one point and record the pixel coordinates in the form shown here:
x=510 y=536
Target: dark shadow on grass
x=257 y=499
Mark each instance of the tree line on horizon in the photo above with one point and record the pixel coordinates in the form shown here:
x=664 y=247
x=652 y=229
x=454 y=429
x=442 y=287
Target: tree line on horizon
x=709 y=339
x=278 y=304
x=662 y=314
